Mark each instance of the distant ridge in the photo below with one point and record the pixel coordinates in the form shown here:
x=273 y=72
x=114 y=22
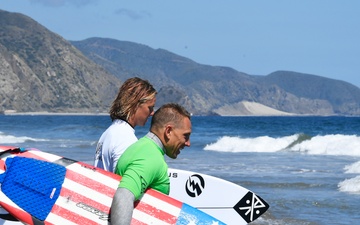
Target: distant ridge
x=208 y=89
x=42 y=72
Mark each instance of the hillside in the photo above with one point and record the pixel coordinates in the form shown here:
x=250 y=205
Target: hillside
x=342 y=97
x=208 y=89
x=40 y=71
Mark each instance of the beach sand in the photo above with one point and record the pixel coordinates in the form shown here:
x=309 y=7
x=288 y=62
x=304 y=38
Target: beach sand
x=246 y=108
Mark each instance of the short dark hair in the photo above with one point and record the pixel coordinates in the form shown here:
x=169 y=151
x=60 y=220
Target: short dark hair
x=169 y=113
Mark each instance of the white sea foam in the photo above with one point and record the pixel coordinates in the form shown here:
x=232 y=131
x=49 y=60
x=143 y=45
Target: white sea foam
x=330 y=145
x=257 y=144
x=10 y=139
x=320 y=145
x=353 y=168
x=351 y=185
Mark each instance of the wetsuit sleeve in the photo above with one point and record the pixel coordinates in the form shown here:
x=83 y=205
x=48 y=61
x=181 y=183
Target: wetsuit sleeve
x=122 y=207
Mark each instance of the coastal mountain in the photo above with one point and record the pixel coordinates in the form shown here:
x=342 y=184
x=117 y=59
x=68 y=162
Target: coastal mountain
x=41 y=71
x=221 y=90
x=328 y=95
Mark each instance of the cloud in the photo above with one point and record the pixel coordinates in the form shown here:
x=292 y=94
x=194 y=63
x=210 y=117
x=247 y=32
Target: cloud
x=59 y=3
x=132 y=14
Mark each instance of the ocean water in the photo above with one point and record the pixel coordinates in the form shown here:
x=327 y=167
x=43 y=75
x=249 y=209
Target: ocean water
x=306 y=168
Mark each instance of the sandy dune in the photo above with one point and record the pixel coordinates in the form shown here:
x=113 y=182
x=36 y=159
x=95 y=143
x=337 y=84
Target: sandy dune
x=245 y=108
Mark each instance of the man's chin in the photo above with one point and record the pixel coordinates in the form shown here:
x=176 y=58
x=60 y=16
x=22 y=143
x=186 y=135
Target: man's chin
x=174 y=156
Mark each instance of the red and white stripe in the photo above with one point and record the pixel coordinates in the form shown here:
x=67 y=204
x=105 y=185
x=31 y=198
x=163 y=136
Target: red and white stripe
x=85 y=184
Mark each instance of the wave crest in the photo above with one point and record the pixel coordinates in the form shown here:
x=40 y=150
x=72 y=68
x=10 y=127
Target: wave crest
x=337 y=144
x=10 y=139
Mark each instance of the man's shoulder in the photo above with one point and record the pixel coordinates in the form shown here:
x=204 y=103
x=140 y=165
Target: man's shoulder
x=141 y=142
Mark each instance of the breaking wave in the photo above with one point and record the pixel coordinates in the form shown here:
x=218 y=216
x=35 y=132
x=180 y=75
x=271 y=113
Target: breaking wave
x=334 y=144
x=351 y=185
x=10 y=139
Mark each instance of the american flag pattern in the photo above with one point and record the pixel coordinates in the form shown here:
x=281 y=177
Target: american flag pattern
x=86 y=196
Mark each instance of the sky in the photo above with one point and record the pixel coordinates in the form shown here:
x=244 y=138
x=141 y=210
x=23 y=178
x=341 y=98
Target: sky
x=257 y=37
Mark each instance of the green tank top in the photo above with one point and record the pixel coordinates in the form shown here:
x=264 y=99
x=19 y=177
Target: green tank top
x=143 y=166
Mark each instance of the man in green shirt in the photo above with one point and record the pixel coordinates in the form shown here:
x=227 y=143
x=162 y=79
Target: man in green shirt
x=143 y=166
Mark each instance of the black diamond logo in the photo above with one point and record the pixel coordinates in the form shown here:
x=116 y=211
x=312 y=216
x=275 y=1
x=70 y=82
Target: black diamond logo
x=250 y=207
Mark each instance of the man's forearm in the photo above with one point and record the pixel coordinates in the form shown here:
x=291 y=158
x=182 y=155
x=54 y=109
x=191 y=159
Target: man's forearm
x=122 y=207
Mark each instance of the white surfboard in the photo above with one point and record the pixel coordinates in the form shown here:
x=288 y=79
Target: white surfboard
x=229 y=202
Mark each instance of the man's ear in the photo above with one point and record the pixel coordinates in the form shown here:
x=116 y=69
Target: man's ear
x=168 y=130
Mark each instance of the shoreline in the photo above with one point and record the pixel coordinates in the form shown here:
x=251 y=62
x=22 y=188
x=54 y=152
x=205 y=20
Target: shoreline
x=243 y=109
x=51 y=114
x=107 y=114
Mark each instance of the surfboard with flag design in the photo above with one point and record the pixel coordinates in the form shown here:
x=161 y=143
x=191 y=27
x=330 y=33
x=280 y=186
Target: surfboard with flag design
x=42 y=188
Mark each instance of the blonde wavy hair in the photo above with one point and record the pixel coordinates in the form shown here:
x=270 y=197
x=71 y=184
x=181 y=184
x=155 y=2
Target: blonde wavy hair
x=132 y=93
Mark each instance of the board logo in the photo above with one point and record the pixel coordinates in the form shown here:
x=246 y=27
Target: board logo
x=195 y=185
x=102 y=215
x=250 y=207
